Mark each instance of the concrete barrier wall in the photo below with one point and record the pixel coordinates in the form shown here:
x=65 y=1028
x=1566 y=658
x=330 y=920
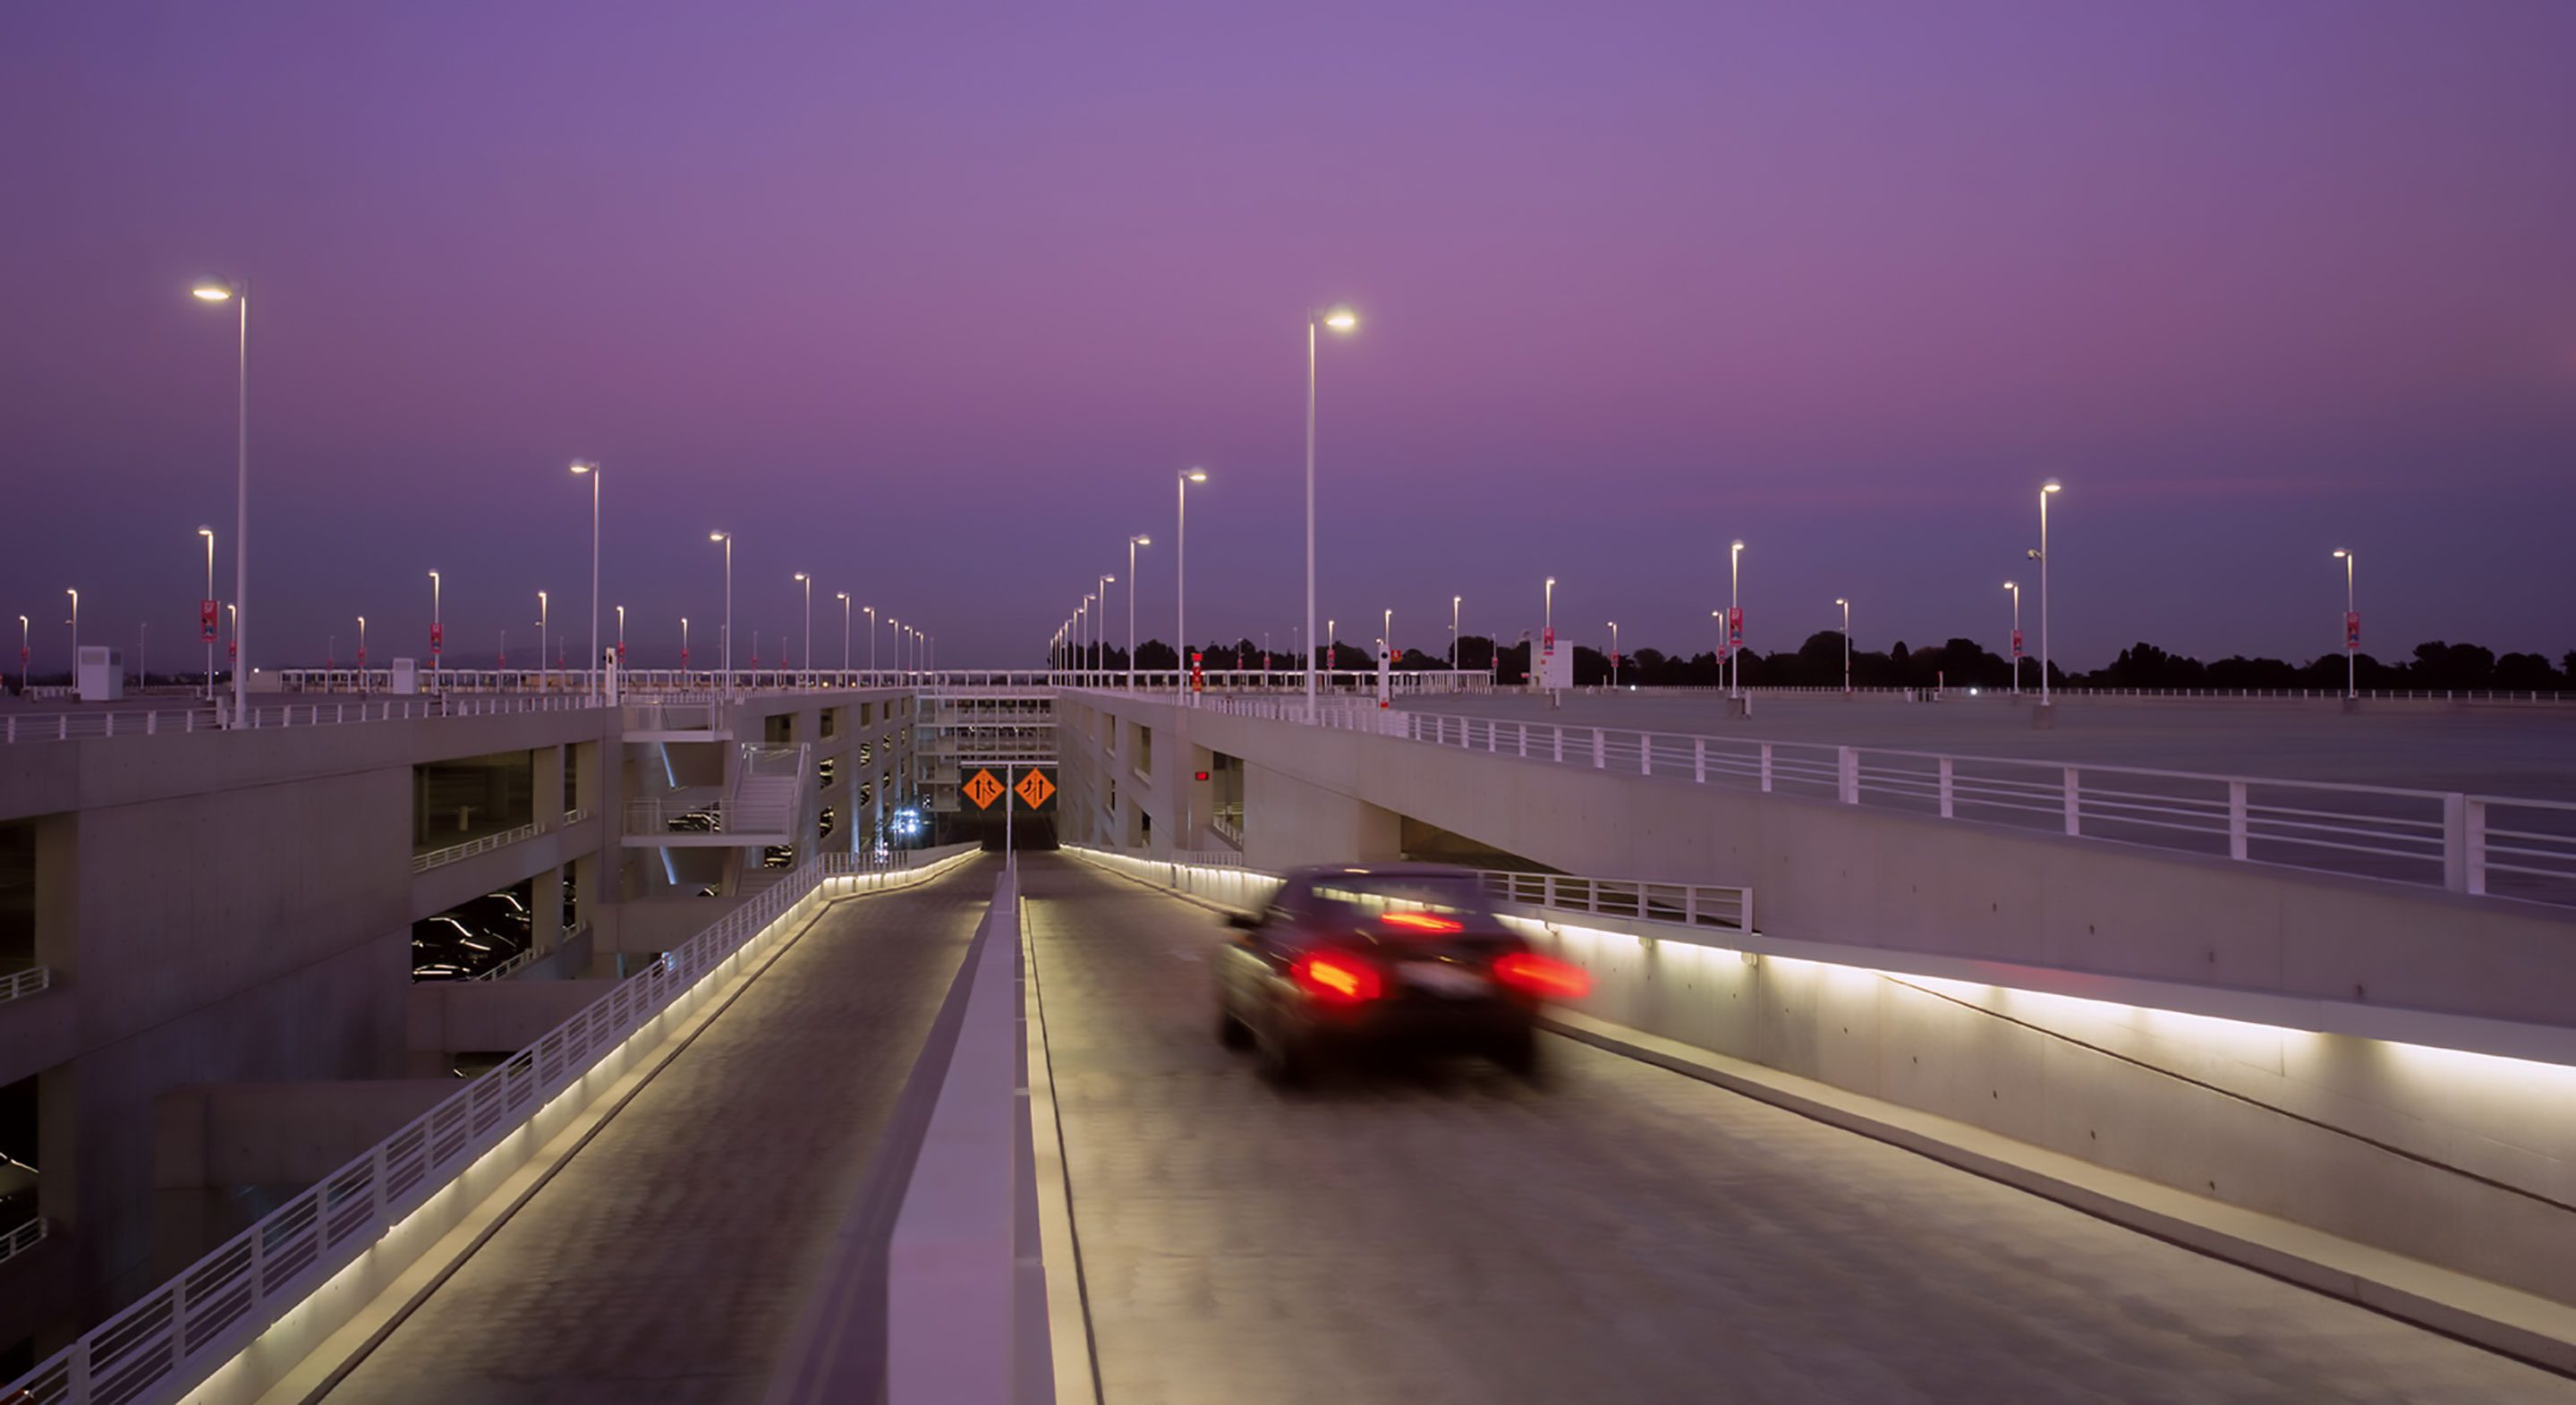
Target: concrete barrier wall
x=2463 y=1160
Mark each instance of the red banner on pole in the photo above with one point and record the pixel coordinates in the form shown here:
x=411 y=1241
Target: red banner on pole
x=206 y=612
x=2016 y=645
x=2352 y=629
x=1735 y=626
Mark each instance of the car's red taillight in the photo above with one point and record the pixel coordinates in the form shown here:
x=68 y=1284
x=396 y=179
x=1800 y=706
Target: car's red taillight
x=1543 y=976
x=1337 y=979
x=1428 y=923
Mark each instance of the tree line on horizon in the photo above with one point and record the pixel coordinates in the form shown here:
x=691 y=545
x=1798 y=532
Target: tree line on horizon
x=2434 y=666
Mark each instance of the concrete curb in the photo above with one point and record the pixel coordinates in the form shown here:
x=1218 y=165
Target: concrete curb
x=2528 y=1328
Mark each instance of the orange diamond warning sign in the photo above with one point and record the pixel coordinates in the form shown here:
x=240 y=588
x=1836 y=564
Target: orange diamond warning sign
x=983 y=790
x=1035 y=788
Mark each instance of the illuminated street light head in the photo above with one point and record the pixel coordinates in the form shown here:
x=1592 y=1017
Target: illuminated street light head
x=2012 y=585
x=1342 y=319
x=841 y=595
x=800 y=575
x=1196 y=475
x=715 y=536
x=209 y=532
x=2052 y=486
x=585 y=466
x=1142 y=541
x=1844 y=603
x=214 y=290
x=2341 y=554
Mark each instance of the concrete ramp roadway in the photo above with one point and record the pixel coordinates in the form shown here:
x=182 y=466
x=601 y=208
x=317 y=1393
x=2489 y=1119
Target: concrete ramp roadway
x=670 y=1257
x=1623 y=1233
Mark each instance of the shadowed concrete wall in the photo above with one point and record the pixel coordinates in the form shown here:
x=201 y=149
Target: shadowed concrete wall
x=218 y=1134
x=449 y=1017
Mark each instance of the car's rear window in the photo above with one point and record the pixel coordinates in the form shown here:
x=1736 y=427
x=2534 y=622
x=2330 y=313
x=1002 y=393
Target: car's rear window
x=1375 y=892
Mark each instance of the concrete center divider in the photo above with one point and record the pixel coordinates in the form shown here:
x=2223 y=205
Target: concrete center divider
x=937 y=1290
x=240 y=1319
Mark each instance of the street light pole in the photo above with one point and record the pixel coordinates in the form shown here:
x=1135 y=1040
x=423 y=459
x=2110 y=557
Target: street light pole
x=2351 y=631
x=1100 y=625
x=1614 y=653
x=1454 y=661
x=1181 y=579
x=1734 y=605
x=845 y=635
x=239 y=292
x=2015 y=588
x=362 y=653
x=2051 y=486
x=1846 y=646
x=871 y=612
x=621 y=635
x=684 y=651
x=590 y=469
x=1340 y=319
x=1132 y=543
x=25 y=653
x=725 y=654
x=806 y=580
x=75 y=623
x=543 y=619
x=206 y=621
x=437 y=632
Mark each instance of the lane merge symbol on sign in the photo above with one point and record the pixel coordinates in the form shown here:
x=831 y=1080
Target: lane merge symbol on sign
x=1034 y=788
x=983 y=790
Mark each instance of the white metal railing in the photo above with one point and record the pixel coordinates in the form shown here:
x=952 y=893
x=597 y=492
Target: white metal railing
x=508 y=968
x=26 y=980
x=1720 y=905
x=2495 y=845
x=1224 y=878
x=16 y=726
x=574 y=817
x=161 y=1345
x=440 y=858
x=23 y=1238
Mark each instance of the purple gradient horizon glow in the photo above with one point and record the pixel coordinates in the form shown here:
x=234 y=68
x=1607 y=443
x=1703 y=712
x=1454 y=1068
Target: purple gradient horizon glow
x=932 y=301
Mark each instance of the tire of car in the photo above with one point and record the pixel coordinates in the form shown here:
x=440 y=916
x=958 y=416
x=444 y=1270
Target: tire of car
x=1278 y=1054
x=1231 y=1032
x=1516 y=1053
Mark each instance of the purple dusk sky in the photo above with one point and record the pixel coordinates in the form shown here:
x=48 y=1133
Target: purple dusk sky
x=933 y=300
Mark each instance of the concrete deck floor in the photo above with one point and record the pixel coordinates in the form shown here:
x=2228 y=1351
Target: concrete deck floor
x=1624 y=1233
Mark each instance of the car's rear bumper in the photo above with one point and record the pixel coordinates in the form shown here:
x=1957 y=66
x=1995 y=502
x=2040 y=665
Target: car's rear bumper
x=1419 y=1025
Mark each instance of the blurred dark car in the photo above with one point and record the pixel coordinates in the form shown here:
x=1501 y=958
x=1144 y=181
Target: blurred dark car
x=1353 y=962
